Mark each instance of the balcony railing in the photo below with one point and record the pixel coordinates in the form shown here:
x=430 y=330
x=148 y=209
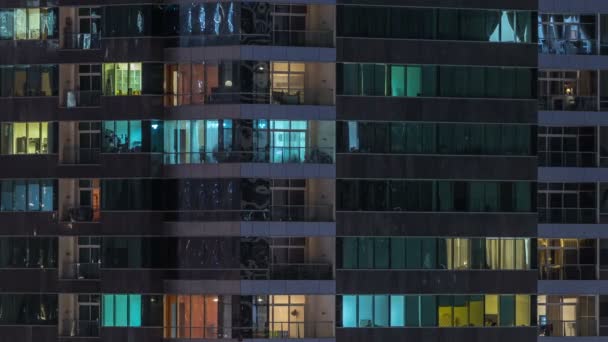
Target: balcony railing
x=83 y=98
x=568 y=103
x=567 y=159
x=301 y=38
x=301 y=213
x=79 y=328
x=74 y=155
x=567 y=215
x=81 y=41
x=82 y=214
x=82 y=271
x=567 y=47
x=282 y=330
x=567 y=272
x=561 y=328
x=278 y=155
x=306 y=96
x=308 y=271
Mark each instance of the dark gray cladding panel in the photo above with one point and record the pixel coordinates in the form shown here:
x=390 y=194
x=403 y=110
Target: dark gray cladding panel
x=132 y=223
x=148 y=334
x=102 y=2
x=494 y=334
x=435 y=167
x=152 y=281
x=28 y=280
x=112 y=50
x=29 y=108
x=375 y=108
x=436 y=52
x=436 y=224
x=435 y=282
x=25 y=333
x=489 y=4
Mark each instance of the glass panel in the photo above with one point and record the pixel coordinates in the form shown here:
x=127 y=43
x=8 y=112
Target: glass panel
x=397 y=311
x=19 y=195
x=366 y=252
x=33 y=15
x=121 y=310
x=33 y=196
x=476 y=311
x=461 y=311
x=522 y=313
x=349 y=252
x=20 y=143
x=428 y=309
x=381 y=253
x=135 y=310
x=20 y=23
x=412 y=311
x=365 y=311
x=507 y=310
x=397 y=253
x=211 y=316
x=349 y=311
x=108 y=310
x=444 y=311
x=6 y=24
x=491 y=310
x=381 y=311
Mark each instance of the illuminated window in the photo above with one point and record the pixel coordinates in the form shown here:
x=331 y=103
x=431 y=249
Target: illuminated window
x=122 y=79
x=370 y=311
x=121 y=310
x=191 y=316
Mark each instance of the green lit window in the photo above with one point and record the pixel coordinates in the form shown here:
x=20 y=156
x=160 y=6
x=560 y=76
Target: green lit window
x=368 y=79
x=122 y=79
x=121 y=310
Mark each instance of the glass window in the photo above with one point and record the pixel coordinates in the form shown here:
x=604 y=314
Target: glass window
x=122 y=79
x=522 y=310
x=365 y=311
x=20 y=23
x=366 y=253
x=122 y=136
x=349 y=311
x=491 y=311
x=381 y=253
x=19 y=195
x=121 y=310
x=412 y=311
x=428 y=311
x=476 y=311
x=6 y=24
x=381 y=311
x=434 y=80
x=33 y=196
x=444 y=311
x=46 y=196
x=461 y=311
x=33 y=23
x=349 y=252
x=397 y=311
x=507 y=310
x=397 y=248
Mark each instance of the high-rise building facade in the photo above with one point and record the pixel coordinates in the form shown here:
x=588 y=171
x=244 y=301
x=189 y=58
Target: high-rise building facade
x=424 y=170
x=436 y=171
x=572 y=176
